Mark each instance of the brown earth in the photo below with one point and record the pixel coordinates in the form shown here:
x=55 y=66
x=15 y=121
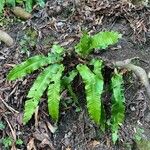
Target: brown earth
x=63 y=22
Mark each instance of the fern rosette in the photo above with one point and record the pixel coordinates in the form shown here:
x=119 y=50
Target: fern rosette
x=56 y=77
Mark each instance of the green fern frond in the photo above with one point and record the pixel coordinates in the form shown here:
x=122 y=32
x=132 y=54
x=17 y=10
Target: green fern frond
x=68 y=79
x=30 y=107
x=66 y=83
x=54 y=94
x=98 y=66
x=118 y=107
x=103 y=39
x=43 y=81
x=93 y=89
x=37 y=90
x=83 y=47
x=2 y=4
x=30 y=65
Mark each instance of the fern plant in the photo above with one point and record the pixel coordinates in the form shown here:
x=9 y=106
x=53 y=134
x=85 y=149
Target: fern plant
x=55 y=78
x=118 y=107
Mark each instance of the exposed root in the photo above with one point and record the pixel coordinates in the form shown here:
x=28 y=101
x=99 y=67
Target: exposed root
x=139 y=72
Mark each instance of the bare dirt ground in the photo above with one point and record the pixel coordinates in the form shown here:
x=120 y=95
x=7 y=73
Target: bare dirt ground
x=63 y=22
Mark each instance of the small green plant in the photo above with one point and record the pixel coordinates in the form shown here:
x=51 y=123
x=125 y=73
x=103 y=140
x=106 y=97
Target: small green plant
x=19 y=142
x=28 y=4
x=138 y=134
x=7 y=141
x=57 y=76
x=2 y=125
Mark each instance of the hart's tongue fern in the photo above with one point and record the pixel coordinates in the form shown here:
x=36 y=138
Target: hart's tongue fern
x=53 y=80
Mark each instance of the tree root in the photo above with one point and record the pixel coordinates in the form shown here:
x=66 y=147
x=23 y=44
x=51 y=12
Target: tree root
x=139 y=72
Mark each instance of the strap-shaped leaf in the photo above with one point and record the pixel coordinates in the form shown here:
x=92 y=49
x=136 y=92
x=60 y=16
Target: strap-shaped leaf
x=118 y=107
x=98 y=65
x=83 y=48
x=93 y=89
x=68 y=79
x=66 y=83
x=30 y=65
x=30 y=106
x=42 y=81
x=37 y=90
x=54 y=94
x=103 y=39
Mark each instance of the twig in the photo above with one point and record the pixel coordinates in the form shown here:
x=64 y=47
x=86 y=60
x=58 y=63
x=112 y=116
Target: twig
x=10 y=108
x=12 y=131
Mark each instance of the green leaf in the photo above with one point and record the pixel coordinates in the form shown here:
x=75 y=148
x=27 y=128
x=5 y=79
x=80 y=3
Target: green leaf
x=83 y=48
x=29 y=5
x=66 y=83
x=11 y=3
x=41 y=3
x=19 y=142
x=2 y=4
x=115 y=136
x=93 y=88
x=57 y=49
x=118 y=108
x=2 y=125
x=43 y=81
x=37 y=90
x=30 y=65
x=20 y=1
x=98 y=66
x=103 y=39
x=68 y=79
x=54 y=94
x=30 y=107
x=7 y=141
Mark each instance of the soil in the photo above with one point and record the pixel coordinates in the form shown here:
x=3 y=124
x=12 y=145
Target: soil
x=62 y=21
